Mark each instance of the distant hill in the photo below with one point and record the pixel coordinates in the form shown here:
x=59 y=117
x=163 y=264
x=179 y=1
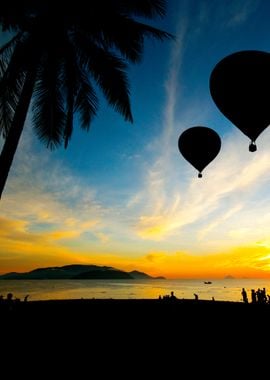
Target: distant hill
x=229 y=277
x=143 y=276
x=76 y=271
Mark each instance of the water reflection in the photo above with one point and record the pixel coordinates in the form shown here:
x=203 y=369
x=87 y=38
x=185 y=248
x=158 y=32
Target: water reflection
x=228 y=290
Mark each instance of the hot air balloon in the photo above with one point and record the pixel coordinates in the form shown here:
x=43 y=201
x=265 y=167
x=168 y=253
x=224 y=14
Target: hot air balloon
x=239 y=86
x=199 y=146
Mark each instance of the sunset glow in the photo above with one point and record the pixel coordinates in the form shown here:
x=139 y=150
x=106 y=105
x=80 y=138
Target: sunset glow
x=123 y=196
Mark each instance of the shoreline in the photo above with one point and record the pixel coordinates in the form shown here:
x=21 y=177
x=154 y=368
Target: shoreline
x=104 y=322
x=127 y=303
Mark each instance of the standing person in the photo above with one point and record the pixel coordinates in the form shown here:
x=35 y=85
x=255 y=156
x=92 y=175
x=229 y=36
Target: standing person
x=172 y=297
x=244 y=295
x=253 y=296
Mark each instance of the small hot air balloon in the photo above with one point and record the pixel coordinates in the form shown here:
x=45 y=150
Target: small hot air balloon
x=199 y=146
x=239 y=86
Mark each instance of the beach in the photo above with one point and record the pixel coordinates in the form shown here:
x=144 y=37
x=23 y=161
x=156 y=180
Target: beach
x=143 y=323
x=128 y=338
x=106 y=313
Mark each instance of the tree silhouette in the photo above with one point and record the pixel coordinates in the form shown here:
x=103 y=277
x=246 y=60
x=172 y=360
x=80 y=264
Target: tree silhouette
x=57 y=57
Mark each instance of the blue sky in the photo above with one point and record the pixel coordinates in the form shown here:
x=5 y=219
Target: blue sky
x=123 y=195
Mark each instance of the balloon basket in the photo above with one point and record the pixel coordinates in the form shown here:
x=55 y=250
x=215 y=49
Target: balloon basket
x=252 y=147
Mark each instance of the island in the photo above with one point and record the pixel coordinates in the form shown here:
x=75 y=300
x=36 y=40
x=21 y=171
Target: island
x=78 y=272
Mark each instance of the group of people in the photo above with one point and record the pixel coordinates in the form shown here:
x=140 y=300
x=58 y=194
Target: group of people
x=258 y=296
x=10 y=301
x=172 y=296
x=168 y=297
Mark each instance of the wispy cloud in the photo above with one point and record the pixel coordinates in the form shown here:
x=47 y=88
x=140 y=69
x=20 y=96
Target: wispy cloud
x=240 y=11
x=175 y=206
x=51 y=214
x=230 y=184
x=42 y=195
x=249 y=261
x=158 y=173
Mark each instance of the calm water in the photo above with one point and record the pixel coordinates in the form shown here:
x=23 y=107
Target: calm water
x=227 y=290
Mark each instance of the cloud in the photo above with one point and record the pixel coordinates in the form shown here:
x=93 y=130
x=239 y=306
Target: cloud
x=219 y=220
x=50 y=212
x=240 y=11
x=229 y=185
x=174 y=207
x=250 y=261
x=44 y=201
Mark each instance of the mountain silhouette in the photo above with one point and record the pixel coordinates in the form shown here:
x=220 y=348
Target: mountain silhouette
x=143 y=276
x=77 y=271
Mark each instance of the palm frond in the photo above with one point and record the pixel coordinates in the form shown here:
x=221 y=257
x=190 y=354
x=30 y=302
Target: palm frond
x=69 y=79
x=145 y=8
x=150 y=31
x=126 y=35
x=109 y=71
x=118 y=32
x=11 y=82
x=49 y=117
x=6 y=52
x=69 y=118
x=86 y=103
x=79 y=93
x=96 y=9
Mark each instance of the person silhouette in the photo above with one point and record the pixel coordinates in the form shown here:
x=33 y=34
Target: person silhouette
x=244 y=295
x=9 y=301
x=253 y=296
x=172 y=297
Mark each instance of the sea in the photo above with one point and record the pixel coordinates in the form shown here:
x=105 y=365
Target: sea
x=220 y=290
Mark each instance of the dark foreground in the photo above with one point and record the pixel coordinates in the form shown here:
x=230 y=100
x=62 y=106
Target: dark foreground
x=93 y=306
x=133 y=338
x=113 y=315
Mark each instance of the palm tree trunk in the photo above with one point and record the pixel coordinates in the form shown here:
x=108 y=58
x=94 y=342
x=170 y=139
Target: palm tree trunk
x=13 y=137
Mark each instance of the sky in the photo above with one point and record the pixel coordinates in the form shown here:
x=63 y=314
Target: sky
x=122 y=195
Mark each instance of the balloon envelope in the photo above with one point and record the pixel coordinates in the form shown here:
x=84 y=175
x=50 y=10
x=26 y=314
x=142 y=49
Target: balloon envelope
x=199 y=146
x=239 y=86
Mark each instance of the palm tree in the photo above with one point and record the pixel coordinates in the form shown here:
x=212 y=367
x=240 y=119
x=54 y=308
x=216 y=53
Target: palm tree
x=55 y=59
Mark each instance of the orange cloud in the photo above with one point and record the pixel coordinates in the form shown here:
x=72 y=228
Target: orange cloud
x=22 y=249
x=253 y=261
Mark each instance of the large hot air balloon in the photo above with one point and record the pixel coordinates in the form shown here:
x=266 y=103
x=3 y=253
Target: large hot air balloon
x=199 y=146
x=240 y=86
